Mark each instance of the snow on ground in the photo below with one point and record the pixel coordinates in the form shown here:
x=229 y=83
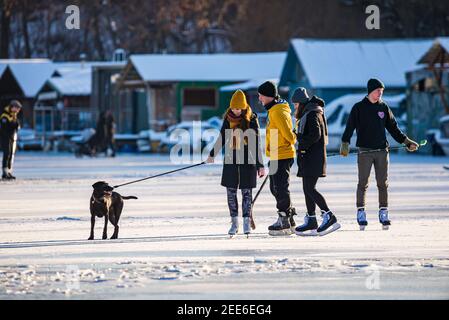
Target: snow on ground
x=173 y=242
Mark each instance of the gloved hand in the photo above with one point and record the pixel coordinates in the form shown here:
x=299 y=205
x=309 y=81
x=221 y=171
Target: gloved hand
x=411 y=145
x=344 y=149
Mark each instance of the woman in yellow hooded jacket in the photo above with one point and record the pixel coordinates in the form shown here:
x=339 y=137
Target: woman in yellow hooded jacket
x=243 y=162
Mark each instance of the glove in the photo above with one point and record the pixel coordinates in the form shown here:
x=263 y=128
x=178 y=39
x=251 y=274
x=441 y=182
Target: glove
x=411 y=145
x=344 y=149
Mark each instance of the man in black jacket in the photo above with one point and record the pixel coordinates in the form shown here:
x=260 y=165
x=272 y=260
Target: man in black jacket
x=370 y=118
x=9 y=126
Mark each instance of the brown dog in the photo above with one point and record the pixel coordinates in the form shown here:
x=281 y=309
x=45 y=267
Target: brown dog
x=108 y=204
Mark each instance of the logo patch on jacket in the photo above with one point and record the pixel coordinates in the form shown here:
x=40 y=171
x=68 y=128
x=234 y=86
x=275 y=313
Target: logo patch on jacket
x=381 y=115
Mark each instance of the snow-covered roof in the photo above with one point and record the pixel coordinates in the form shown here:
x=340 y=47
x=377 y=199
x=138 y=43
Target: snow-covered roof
x=30 y=74
x=208 y=67
x=76 y=83
x=66 y=68
x=72 y=78
x=350 y=63
x=248 y=85
x=431 y=55
x=75 y=78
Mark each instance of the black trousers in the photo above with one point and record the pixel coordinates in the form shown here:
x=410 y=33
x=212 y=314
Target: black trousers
x=8 y=147
x=280 y=183
x=313 y=197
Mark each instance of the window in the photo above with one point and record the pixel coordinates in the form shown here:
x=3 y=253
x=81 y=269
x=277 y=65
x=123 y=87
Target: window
x=335 y=115
x=200 y=97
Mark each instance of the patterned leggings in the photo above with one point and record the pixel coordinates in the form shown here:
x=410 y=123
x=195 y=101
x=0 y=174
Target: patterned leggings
x=233 y=204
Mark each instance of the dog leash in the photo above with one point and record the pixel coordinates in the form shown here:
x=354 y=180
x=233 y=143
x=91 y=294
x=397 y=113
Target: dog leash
x=160 y=175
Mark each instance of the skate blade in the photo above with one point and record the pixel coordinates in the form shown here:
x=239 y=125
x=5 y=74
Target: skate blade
x=385 y=228
x=280 y=233
x=310 y=233
x=333 y=228
x=362 y=228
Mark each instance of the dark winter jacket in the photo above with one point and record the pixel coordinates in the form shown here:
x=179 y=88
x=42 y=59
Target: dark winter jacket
x=370 y=120
x=9 y=125
x=239 y=174
x=312 y=140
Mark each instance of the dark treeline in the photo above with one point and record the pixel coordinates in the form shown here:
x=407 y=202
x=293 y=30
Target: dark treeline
x=31 y=29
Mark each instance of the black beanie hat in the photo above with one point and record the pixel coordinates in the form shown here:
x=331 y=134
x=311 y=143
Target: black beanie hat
x=268 y=89
x=374 y=84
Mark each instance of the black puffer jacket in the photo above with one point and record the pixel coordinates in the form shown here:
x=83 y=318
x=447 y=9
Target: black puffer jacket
x=312 y=156
x=239 y=176
x=9 y=125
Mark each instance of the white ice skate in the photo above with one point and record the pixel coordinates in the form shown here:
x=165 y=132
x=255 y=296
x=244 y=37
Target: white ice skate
x=247 y=226
x=234 y=227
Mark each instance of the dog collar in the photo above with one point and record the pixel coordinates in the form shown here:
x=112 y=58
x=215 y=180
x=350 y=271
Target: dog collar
x=97 y=201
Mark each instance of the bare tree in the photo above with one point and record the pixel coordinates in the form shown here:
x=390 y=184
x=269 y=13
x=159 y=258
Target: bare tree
x=37 y=28
x=7 y=7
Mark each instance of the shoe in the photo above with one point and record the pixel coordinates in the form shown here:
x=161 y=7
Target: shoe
x=234 y=226
x=329 y=224
x=309 y=228
x=383 y=218
x=246 y=225
x=5 y=175
x=361 y=219
x=281 y=227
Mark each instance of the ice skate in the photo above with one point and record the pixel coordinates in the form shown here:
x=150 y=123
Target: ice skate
x=383 y=218
x=234 y=227
x=247 y=226
x=361 y=219
x=329 y=224
x=309 y=228
x=281 y=227
x=5 y=175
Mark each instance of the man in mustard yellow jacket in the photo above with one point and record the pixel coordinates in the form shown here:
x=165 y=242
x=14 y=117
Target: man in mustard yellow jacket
x=280 y=148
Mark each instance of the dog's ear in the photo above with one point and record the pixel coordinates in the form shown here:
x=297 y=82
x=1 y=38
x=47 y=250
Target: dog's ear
x=98 y=184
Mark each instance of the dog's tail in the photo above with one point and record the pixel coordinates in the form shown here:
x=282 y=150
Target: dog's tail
x=130 y=198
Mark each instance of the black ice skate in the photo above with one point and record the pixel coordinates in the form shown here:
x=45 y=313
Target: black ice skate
x=329 y=224
x=309 y=228
x=5 y=175
x=281 y=227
